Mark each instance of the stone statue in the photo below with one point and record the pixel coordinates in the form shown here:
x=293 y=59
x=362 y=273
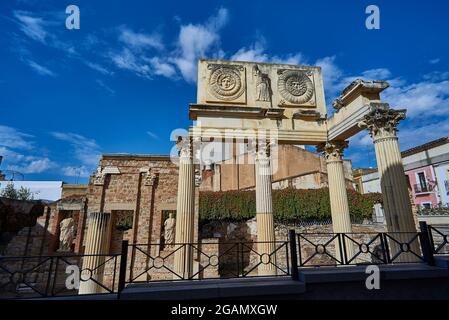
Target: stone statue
x=263 y=86
x=66 y=234
x=169 y=230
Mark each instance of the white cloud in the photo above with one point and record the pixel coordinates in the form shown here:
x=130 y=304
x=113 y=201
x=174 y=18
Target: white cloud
x=437 y=76
x=424 y=99
x=195 y=41
x=13 y=138
x=32 y=26
x=376 y=74
x=153 y=135
x=162 y=68
x=73 y=171
x=332 y=76
x=99 y=68
x=412 y=136
x=127 y=60
x=85 y=150
x=434 y=61
x=256 y=52
x=34 y=166
x=105 y=86
x=40 y=69
x=140 y=40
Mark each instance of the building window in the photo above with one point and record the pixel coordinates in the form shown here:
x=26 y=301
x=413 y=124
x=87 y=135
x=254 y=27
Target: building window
x=422 y=185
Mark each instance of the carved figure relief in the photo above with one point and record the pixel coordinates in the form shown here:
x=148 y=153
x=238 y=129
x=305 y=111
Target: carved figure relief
x=263 y=85
x=99 y=176
x=295 y=86
x=151 y=177
x=66 y=234
x=169 y=230
x=225 y=82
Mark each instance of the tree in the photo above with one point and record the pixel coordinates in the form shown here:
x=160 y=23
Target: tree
x=21 y=194
x=9 y=191
x=25 y=194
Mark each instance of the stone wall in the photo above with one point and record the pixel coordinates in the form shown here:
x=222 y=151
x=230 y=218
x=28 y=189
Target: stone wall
x=307 y=171
x=227 y=234
x=145 y=187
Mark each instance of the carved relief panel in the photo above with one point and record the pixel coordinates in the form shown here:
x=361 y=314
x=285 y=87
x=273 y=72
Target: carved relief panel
x=226 y=83
x=296 y=88
x=279 y=92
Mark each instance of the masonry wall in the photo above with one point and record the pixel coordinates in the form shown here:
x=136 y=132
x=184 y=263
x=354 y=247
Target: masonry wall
x=132 y=192
x=308 y=170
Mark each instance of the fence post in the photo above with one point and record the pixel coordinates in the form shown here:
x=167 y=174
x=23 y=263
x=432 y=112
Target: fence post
x=426 y=248
x=122 y=272
x=293 y=255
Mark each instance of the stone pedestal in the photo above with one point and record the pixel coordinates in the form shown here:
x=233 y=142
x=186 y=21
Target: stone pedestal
x=264 y=207
x=185 y=214
x=382 y=126
x=341 y=219
x=97 y=243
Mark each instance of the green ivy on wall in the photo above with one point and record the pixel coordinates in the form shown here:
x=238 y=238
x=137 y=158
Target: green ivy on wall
x=289 y=205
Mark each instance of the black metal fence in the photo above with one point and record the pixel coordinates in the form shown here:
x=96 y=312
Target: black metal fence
x=439 y=239
x=330 y=249
x=60 y=275
x=212 y=260
x=57 y=275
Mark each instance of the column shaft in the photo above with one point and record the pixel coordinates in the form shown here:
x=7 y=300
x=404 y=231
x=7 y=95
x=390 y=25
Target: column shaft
x=382 y=125
x=185 y=217
x=265 y=223
x=97 y=243
x=341 y=219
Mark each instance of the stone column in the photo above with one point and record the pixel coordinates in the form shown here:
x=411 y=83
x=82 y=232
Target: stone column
x=185 y=213
x=341 y=219
x=382 y=126
x=97 y=242
x=264 y=209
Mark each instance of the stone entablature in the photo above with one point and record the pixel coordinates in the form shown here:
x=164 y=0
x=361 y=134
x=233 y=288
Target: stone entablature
x=237 y=95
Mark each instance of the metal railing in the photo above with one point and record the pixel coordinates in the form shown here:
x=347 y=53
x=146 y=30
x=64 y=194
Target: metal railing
x=48 y=276
x=212 y=260
x=424 y=187
x=439 y=239
x=331 y=249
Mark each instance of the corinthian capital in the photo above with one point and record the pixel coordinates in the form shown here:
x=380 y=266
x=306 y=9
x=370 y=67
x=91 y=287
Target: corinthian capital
x=264 y=147
x=184 y=146
x=382 y=121
x=333 y=150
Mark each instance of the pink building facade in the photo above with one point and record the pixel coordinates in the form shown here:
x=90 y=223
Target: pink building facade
x=422 y=182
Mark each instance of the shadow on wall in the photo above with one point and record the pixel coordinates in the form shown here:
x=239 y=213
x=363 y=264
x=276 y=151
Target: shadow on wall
x=234 y=243
x=18 y=218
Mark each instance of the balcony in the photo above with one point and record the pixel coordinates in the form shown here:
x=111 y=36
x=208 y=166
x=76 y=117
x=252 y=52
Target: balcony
x=424 y=187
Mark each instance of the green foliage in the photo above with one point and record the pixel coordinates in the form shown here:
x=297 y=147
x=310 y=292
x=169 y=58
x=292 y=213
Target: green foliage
x=9 y=191
x=289 y=205
x=21 y=194
x=25 y=194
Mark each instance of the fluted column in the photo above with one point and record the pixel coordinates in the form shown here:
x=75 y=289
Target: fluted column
x=382 y=126
x=341 y=219
x=97 y=242
x=185 y=213
x=264 y=208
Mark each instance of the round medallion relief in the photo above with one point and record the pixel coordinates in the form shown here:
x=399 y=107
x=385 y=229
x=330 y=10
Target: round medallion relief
x=295 y=86
x=225 y=83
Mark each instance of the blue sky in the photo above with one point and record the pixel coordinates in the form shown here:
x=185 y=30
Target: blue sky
x=123 y=81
